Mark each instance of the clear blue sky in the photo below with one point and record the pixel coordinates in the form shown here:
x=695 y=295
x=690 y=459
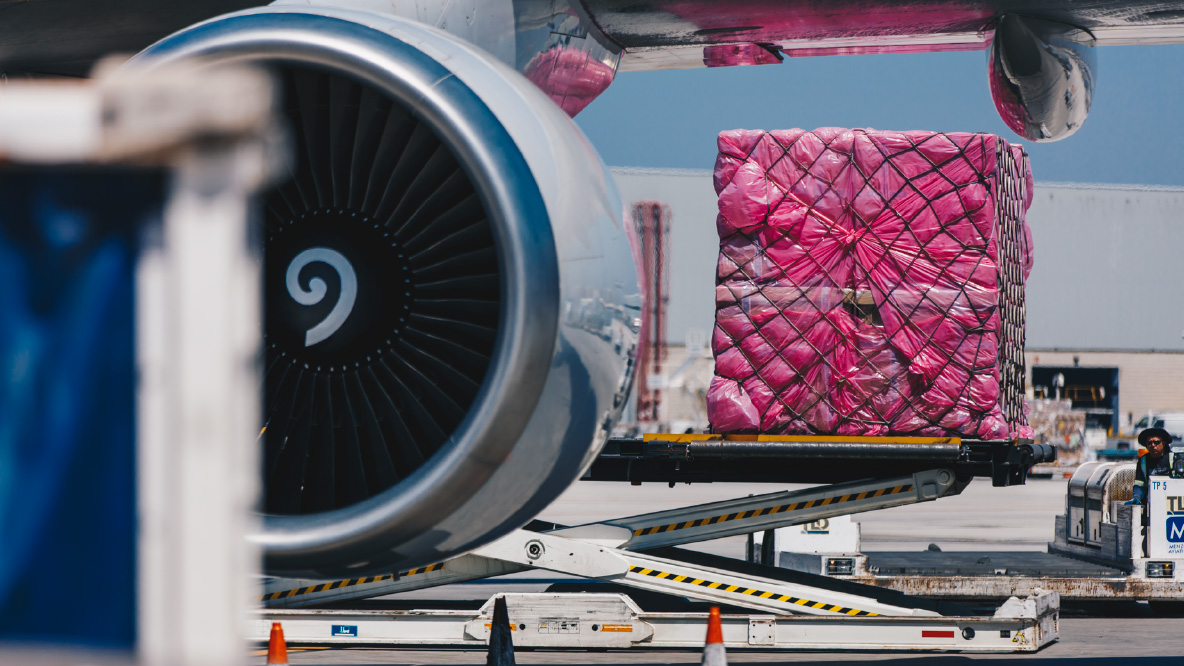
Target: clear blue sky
x=1134 y=133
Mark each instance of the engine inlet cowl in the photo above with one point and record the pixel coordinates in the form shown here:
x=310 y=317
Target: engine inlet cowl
x=448 y=288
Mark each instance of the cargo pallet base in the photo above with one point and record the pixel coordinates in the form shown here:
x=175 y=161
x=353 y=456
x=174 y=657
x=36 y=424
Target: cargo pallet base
x=792 y=610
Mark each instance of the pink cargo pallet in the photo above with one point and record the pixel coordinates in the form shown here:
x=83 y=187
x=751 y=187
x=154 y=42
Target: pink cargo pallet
x=870 y=283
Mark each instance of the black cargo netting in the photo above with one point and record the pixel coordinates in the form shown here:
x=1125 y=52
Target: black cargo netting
x=1015 y=252
x=867 y=284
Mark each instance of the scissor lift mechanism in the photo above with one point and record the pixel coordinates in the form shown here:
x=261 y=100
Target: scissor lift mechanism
x=790 y=610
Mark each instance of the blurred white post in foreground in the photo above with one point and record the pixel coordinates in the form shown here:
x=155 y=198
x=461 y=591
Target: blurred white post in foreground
x=198 y=324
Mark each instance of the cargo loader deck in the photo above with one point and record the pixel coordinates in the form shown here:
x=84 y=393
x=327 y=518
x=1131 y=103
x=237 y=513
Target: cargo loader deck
x=1099 y=553
x=810 y=458
x=991 y=576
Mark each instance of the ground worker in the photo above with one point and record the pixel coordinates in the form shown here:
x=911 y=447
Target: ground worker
x=1156 y=462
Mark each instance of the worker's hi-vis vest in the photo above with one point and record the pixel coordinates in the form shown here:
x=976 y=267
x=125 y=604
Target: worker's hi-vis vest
x=1141 y=470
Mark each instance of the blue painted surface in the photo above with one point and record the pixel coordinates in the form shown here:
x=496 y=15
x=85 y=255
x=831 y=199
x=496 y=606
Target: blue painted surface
x=1175 y=529
x=67 y=399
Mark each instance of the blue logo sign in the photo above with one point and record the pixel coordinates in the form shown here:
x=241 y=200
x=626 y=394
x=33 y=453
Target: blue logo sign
x=347 y=630
x=1175 y=529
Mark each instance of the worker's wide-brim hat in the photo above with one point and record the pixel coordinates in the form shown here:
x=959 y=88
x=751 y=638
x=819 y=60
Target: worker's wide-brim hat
x=1158 y=432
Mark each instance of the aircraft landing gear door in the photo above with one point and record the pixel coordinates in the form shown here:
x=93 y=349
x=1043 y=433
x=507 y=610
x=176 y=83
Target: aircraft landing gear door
x=1167 y=517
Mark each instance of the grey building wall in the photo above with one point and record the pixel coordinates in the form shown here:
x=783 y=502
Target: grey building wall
x=1108 y=268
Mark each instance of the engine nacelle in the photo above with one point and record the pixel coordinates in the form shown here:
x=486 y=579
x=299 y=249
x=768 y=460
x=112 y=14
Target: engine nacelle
x=1041 y=76
x=450 y=294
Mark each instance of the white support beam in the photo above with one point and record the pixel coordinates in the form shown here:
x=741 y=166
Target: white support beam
x=680 y=579
x=704 y=522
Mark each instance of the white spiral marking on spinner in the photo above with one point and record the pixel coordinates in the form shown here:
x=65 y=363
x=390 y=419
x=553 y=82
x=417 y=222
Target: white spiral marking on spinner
x=317 y=290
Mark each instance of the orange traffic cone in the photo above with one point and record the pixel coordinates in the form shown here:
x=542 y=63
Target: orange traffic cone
x=277 y=649
x=713 y=651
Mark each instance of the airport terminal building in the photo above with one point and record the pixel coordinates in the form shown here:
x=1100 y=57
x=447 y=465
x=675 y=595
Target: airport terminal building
x=1105 y=311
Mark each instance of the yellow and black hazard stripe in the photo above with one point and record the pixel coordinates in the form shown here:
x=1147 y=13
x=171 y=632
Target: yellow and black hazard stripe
x=750 y=591
x=349 y=582
x=794 y=506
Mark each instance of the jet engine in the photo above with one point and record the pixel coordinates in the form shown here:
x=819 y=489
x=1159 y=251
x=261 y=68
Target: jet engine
x=451 y=300
x=1041 y=76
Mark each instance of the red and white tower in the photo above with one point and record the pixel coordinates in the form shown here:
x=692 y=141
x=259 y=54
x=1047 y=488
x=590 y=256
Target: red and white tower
x=652 y=220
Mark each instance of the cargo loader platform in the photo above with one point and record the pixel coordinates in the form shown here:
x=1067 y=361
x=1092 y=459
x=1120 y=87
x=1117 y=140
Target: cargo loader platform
x=1103 y=550
x=810 y=458
x=986 y=577
x=767 y=607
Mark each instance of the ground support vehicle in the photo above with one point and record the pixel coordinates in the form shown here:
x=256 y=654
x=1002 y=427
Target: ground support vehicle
x=1100 y=551
x=767 y=607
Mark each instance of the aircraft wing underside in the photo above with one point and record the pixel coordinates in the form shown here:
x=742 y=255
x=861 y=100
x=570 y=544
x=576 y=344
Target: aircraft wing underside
x=66 y=36
x=661 y=34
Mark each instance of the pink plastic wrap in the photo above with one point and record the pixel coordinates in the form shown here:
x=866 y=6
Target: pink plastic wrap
x=571 y=78
x=738 y=55
x=870 y=283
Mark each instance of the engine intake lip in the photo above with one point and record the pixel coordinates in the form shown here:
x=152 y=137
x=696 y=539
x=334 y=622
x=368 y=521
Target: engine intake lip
x=529 y=298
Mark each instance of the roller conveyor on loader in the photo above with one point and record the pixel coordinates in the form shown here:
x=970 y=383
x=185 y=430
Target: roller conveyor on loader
x=789 y=610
